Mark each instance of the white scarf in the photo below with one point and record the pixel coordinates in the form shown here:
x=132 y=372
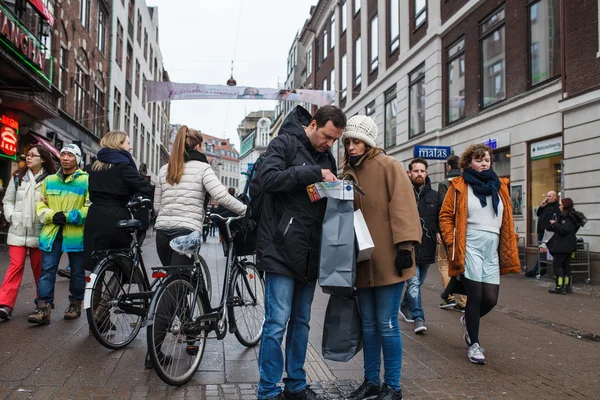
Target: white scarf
x=29 y=200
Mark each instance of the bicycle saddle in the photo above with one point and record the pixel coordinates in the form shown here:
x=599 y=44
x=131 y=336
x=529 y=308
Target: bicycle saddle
x=188 y=244
x=129 y=225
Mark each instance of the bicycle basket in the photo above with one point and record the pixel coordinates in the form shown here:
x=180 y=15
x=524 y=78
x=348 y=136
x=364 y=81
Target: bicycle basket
x=187 y=244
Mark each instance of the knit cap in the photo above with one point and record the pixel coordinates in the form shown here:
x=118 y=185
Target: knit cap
x=362 y=128
x=73 y=149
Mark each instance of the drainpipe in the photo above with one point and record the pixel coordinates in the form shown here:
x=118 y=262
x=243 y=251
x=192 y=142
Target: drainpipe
x=110 y=67
x=563 y=80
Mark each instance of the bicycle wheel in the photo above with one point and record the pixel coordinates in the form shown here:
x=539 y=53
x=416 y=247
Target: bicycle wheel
x=113 y=289
x=248 y=309
x=175 y=352
x=206 y=276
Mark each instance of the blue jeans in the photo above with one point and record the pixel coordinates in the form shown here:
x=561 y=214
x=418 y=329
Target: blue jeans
x=412 y=297
x=380 y=329
x=534 y=270
x=287 y=303
x=47 y=280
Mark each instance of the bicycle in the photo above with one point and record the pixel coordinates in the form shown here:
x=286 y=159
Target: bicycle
x=181 y=314
x=118 y=291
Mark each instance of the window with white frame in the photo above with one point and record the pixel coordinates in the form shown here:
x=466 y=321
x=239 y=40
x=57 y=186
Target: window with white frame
x=101 y=29
x=309 y=62
x=455 y=69
x=344 y=15
x=84 y=13
x=420 y=12
x=325 y=45
x=333 y=31
x=544 y=40
x=374 y=43
x=416 y=107
x=332 y=79
x=394 y=25
x=344 y=76
x=357 y=61
x=493 y=69
x=324 y=87
x=390 y=112
x=263 y=132
x=356 y=6
x=370 y=108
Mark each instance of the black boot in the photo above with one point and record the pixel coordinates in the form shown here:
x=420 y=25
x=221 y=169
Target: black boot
x=560 y=287
x=569 y=284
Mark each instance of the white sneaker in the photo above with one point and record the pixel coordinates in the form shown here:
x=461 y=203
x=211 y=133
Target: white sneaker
x=476 y=354
x=463 y=323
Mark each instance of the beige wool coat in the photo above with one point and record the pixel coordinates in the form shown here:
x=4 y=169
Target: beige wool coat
x=391 y=214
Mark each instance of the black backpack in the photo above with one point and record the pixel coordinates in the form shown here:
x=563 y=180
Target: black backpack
x=253 y=187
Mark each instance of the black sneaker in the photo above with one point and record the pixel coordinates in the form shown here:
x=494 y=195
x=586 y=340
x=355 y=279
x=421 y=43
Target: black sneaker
x=448 y=304
x=5 y=313
x=306 y=394
x=367 y=390
x=65 y=273
x=387 y=393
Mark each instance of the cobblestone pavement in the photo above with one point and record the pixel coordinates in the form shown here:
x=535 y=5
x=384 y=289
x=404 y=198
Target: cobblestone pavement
x=538 y=346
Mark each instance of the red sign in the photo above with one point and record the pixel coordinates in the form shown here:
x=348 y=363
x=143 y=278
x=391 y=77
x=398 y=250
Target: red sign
x=10 y=122
x=39 y=5
x=8 y=141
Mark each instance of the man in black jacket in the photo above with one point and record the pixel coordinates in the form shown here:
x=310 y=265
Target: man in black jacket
x=429 y=209
x=289 y=242
x=548 y=211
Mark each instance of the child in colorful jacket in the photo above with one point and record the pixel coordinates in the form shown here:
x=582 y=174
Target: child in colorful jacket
x=62 y=209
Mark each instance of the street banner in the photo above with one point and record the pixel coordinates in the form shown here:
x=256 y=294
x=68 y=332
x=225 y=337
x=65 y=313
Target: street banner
x=167 y=91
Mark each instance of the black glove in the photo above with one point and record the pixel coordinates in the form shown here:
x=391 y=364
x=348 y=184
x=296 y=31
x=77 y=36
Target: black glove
x=59 y=219
x=403 y=260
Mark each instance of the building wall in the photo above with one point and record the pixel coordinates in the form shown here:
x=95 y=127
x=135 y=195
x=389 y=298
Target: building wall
x=151 y=125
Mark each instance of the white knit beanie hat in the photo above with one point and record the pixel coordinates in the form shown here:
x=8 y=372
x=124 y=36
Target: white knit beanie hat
x=362 y=128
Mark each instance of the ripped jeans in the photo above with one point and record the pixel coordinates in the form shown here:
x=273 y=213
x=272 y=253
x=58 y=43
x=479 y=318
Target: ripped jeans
x=381 y=332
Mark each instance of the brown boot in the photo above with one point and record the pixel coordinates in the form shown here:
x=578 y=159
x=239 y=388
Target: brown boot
x=74 y=309
x=42 y=315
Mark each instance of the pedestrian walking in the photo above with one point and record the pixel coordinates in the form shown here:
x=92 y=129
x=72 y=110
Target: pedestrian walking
x=380 y=280
x=563 y=244
x=476 y=220
x=548 y=210
x=411 y=307
x=289 y=241
x=22 y=193
x=62 y=208
x=113 y=180
x=449 y=300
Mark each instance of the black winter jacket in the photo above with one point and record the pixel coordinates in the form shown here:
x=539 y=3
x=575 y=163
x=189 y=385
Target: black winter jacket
x=565 y=230
x=545 y=214
x=429 y=211
x=290 y=226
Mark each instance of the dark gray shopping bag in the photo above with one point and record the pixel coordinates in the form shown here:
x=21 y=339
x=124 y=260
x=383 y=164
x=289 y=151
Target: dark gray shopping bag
x=337 y=268
x=342 y=329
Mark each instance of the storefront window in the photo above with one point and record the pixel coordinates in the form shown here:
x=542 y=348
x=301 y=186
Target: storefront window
x=545 y=168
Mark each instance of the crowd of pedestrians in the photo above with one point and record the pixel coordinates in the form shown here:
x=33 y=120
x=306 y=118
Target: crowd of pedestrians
x=466 y=226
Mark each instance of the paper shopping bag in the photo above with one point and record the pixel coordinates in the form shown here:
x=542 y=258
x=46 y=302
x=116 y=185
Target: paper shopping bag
x=364 y=241
x=342 y=329
x=337 y=267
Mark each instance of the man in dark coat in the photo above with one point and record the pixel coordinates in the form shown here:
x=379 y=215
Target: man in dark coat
x=429 y=210
x=548 y=211
x=289 y=241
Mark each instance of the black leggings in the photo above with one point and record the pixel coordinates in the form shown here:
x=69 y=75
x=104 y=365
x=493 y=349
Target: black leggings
x=562 y=264
x=481 y=298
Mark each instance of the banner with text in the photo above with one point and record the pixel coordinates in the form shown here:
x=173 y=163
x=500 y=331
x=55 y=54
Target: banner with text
x=167 y=91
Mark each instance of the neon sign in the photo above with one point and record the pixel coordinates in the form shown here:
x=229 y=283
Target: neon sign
x=9 y=138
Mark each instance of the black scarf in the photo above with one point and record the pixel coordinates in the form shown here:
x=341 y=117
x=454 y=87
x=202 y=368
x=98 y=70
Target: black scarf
x=353 y=160
x=113 y=156
x=484 y=183
x=194 y=155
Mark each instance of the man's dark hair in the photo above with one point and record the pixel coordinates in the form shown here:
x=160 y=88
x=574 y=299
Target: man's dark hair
x=417 y=160
x=231 y=191
x=452 y=161
x=330 y=113
x=143 y=169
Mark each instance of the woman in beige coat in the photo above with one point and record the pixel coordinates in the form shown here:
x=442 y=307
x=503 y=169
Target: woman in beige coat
x=392 y=217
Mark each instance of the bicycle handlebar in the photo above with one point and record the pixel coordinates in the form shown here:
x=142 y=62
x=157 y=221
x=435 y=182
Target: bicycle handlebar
x=227 y=220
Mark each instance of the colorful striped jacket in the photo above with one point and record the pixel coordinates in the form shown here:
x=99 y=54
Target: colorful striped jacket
x=71 y=197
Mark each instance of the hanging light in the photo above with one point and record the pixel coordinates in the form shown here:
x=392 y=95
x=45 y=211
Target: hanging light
x=231 y=81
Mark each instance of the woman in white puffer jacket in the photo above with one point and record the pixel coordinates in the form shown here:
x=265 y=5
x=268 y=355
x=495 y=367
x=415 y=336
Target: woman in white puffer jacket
x=182 y=187
x=22 y=192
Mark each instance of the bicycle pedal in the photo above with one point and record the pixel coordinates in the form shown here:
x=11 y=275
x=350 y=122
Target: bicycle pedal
x=192 y=350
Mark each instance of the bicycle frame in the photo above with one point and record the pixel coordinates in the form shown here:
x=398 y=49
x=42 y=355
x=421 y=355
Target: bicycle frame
x=215 y=316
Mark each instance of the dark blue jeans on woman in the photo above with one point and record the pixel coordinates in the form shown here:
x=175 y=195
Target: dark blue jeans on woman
x=380 y=329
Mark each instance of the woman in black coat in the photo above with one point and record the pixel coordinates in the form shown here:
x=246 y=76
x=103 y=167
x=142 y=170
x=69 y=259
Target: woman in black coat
x=563 y=244
x=114 y=178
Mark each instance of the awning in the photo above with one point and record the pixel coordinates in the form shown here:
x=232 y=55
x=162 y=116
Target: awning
x=47 y=144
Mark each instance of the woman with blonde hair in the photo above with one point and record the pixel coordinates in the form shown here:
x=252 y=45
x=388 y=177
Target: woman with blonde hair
x=477 y=224
x=22 y=192
x=182 y=186
x=113 y=179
